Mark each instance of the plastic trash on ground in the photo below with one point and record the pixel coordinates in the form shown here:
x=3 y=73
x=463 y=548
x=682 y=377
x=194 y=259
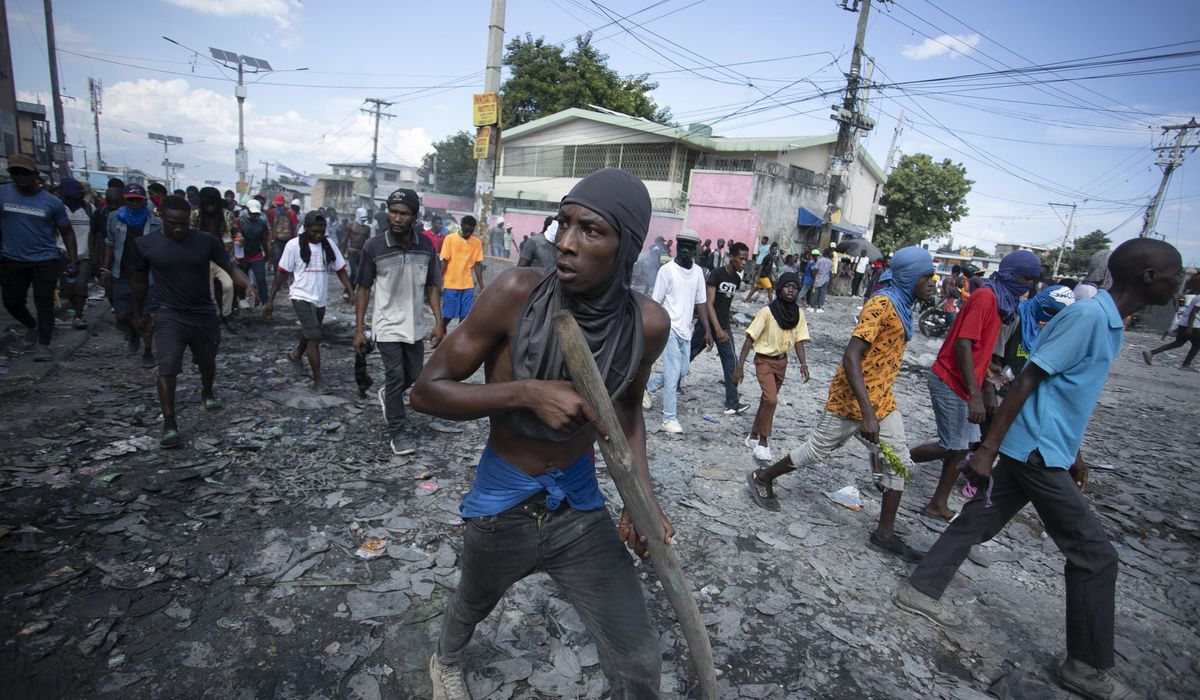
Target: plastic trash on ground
x=847 y=497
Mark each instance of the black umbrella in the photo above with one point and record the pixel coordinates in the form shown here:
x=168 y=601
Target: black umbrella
x=859 y=246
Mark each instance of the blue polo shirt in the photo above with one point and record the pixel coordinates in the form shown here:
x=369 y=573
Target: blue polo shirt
x=30 y=224
x=1076 y=348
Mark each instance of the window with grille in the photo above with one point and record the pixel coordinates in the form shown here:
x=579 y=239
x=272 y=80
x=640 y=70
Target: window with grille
x=648 y=161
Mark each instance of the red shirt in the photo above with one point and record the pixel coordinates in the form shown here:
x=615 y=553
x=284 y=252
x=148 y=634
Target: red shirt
x=979 y=322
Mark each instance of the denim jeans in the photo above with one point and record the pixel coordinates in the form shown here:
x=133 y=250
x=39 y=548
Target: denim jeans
x=580 y=551
x=258 y=268
x=675 y=367
x=1091 y=570
x=818 y=295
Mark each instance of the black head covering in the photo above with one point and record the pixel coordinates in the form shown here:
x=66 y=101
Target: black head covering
x=406 y=197
x=610 y=317
x=786 y=313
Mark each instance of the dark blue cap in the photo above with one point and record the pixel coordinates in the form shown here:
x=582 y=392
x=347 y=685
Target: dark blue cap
x=134 y=190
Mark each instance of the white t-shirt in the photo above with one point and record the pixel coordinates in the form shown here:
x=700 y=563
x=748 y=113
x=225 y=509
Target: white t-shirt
x=309 y=282
x=678 y=291
x=1181 y=316
x=81 y=224
x=861 y=267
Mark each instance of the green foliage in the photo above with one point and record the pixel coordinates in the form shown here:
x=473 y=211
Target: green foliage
x=923 y=199
x=1076 y=258
x=544 y=80
x=456 y=164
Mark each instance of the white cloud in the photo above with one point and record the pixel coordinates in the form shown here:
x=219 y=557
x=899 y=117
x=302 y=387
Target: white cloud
x=953 y=44
x=274 y=9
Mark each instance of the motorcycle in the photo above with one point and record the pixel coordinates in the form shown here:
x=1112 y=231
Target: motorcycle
x=932 y=321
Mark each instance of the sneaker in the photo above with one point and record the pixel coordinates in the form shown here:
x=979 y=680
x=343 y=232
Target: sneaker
x=170 y=438
x=1148 y=357
x=79 y=323
x=148 y=360
x=447 y=681
x=41 y=353
x=646 y=403
x=672 y=426
x=762 y=492
x=741 y=408
x=383 y=401
x=763 y=453
x=911 y=600
x=895 y=545
x=1095 y=683
x=820 y=311
x=750 y=441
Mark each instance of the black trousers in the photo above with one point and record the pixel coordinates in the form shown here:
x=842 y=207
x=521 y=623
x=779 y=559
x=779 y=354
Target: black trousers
x=856 y=283
x=15 y=279
x=402 y=363
x=1091 y=568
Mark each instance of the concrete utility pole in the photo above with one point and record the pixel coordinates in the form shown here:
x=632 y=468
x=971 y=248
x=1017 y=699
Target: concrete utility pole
x=485 y=172
x=94 y=92
x=59 y=153
x=850 y=121
x=243 y=64
x=1066 y=235
x=888 y=166
x=1169 y=163
x=377 y=107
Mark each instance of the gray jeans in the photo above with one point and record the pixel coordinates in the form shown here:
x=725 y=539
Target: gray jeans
x=402 y=362
x=581 y=553
x=1091 y=568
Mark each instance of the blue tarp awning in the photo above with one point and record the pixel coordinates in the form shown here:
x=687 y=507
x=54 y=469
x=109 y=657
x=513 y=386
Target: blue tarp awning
x=852 y=231
x=809 y=219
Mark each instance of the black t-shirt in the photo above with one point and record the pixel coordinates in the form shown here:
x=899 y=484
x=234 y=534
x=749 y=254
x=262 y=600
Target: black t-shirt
x=132 y=233
x=181 y=279
x=726 y=286
x=767 y=268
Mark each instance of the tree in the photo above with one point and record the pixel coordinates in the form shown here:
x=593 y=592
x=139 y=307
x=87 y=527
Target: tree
x=923 y=199
x=544 y=80
x=455 y=164
x=1076 y=259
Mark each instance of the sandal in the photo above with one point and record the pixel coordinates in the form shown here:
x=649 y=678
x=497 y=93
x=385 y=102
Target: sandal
x=170 y=438
x=213 y=404
x=293 y=357
x=762 y=493
x=897 y=546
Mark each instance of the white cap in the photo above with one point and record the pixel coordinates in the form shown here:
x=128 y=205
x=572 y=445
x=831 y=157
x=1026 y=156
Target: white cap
x=360 y=214
x=296 y=202
x=499 y=219
x=254 y=206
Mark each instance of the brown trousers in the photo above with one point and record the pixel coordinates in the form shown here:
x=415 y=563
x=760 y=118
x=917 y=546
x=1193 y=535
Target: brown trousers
x=770 y=372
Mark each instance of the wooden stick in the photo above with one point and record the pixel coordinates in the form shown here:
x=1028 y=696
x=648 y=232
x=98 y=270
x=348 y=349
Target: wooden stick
x=641 y=504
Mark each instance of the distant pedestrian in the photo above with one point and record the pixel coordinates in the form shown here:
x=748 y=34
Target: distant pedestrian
x=255 y=246
x=721 y=286
x=862 y=402
x=496 y=247
x=777 y=329
x=1036 y=434
x=74 y=285
x=30 y=220
x=213 y=218
x=186 y=316
x=126 y=225
x=462 y=272
x=538 y=250
x=283 y=222
x=822 y=275
x=680 y=289
x=1187 y=326
x=400 y=267
x=720 y=256
x=309 y=258
x=765 y=274
x=861 y=264
x=706 y=255
x=357 y=233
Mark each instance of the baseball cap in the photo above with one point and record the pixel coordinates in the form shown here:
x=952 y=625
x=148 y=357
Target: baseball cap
x=314 y=216
x=134 y=190
x=22 y=161
x=279 y=199
x=295 y=202
x=254 y=206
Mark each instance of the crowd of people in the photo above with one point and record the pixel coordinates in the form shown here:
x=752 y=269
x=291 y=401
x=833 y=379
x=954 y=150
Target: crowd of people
x=1016 y=378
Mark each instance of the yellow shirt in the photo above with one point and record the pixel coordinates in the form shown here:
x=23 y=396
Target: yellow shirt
x=883 y=330
x=460 y=255
x=771 y=340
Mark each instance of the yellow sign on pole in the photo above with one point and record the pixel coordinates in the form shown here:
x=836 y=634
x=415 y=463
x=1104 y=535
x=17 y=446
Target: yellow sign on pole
x=483 y=142
x=486 y=110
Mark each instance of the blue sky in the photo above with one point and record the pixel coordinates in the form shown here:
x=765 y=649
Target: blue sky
x=1067 y=141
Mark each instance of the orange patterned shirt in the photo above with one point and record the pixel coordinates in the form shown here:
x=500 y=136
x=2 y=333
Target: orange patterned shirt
x=881 y=327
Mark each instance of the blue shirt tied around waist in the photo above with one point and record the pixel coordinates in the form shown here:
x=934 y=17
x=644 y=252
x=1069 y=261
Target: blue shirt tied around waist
x=499 y=486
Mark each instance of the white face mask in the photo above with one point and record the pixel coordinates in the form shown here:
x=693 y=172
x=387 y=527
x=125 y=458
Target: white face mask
x=552 y=231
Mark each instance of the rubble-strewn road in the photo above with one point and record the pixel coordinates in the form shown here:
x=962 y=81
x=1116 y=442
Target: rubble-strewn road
x=230 y=568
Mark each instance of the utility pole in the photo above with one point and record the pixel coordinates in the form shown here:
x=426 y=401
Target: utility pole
x=485 y=171
x=266 y=172
x=1169 y=163
x=888 y=166
x=850 y=122
x=376 y=110
x=94 y=91
x=59 y=152
x=243 y=64
x=1066 y=235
